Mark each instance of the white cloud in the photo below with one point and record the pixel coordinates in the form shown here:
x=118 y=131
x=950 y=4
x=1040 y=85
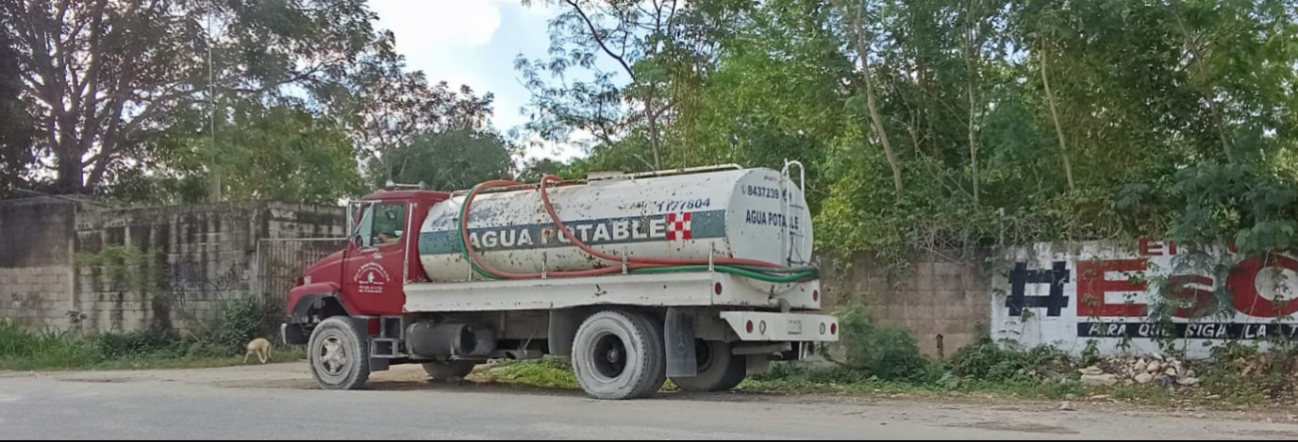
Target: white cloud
x=431 y=32
x=425 y=24
x=474 y=42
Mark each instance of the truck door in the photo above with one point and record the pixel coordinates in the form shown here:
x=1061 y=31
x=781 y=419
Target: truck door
x=374 y=266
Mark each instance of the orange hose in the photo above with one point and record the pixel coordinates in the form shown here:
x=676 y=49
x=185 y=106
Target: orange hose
x=549 y=208
x=632 y=263
x=473 y=255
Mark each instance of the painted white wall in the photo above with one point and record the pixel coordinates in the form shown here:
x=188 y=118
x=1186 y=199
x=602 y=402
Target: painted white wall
x=1261 y=290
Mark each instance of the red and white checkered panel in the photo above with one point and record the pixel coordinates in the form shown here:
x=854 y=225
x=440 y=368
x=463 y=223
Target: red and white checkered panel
x=678 y=226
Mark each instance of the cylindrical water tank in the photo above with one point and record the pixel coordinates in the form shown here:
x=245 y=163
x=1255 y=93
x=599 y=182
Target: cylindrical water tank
x=755 y=214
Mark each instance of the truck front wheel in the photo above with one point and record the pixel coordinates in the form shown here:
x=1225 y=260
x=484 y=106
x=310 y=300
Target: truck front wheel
x=718 y=369
x=619 y=355
x=338 y=354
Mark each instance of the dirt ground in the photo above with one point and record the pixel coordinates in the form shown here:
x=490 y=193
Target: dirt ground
x=996 y=413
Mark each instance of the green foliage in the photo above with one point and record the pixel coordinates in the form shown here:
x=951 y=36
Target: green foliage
x=451 y=160
x=16 y=135
x=238 y=323
x=241 y=321
x=987 y=361
x=1241 y=373
x=21 y=348
x=547 y=373
x=1103 y=119
x=888 y=353
x=276 y=153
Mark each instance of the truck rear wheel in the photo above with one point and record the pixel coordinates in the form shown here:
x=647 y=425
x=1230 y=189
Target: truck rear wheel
x=619 y=355
x=338 y=354
x=718 y=369
x=446 y=370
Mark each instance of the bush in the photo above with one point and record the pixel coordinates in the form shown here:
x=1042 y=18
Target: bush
x=987 y=361
x=1241 y=372
x=137 y=343
x=888 y=353
x=22 y=349
x=239 y=322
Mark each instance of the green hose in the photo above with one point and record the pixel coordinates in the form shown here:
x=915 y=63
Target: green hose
x=464 y=248
x=734 y=270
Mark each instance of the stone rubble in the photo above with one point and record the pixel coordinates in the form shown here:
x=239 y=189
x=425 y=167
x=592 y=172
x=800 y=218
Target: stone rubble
x=1130 y=370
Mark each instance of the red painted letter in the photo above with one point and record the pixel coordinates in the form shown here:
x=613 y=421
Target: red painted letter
x=1243 y=288
x=1091 y=287
x=1202 y=303
x=1150 y=248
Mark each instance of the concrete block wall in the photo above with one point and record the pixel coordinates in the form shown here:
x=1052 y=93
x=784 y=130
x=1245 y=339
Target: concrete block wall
x=935 y=296
x=194 y=258
x=36 y=297
x=36 y=288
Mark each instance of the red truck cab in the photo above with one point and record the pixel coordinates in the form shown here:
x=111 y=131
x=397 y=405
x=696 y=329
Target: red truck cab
x=366 y=278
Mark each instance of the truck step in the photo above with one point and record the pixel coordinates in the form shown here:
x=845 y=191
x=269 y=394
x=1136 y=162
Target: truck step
x=384 y=348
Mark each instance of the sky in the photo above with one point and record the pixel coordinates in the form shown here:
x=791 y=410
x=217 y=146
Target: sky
x=475 y=42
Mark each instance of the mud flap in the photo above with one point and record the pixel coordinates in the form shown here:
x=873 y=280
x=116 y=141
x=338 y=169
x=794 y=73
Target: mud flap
x=293 y=334
x=678 y=335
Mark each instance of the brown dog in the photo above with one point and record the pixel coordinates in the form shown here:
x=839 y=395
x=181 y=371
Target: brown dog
x=261 y=347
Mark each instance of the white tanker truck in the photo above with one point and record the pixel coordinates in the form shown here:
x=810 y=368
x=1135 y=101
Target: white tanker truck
x=698 y=275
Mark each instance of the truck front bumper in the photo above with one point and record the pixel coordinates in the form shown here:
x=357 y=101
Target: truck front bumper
x=768 y=326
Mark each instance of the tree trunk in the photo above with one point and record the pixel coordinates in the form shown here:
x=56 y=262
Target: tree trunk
x=875 y=118
x=1054 y=116
x=71 y=176
x=652 y=115
x=971 y=51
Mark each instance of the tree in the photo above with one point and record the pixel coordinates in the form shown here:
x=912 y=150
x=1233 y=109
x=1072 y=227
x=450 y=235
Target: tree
x=988 y=121
x=641 y=39
x=862 y=45
x=534 y=170
x=452 y=160
x=16 y=132
x=390 y=105
x=106 y=76
x=279 y=152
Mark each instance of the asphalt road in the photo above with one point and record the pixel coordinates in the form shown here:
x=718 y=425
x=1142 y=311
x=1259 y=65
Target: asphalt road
x=279 y=402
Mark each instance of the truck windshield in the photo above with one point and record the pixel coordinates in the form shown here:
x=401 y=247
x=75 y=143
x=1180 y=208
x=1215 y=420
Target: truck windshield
x=381 y=224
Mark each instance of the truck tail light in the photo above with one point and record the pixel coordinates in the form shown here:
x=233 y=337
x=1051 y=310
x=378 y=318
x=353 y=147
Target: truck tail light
x=298 y=281
x=749 y=326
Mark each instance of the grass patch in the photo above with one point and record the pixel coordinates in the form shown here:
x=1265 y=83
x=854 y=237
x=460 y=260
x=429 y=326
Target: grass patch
x=43 y=350
x=545 y=373
x=886 y=361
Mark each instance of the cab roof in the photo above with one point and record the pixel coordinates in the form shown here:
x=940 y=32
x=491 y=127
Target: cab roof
x=403 y=194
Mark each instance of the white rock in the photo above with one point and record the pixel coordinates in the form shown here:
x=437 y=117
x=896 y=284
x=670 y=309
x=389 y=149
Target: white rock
x=1188 y=381
x=1092 y=370
x=1096 y=380
x=1066 y=406
x=1170 y=372
x=1158 y=356
x=1144 y=378
x=1152 y=367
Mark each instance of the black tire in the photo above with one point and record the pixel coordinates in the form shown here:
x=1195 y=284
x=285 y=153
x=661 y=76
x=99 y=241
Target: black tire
x=619 y=355
x=338 y=354
x=448 y=370
x=719 y=370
